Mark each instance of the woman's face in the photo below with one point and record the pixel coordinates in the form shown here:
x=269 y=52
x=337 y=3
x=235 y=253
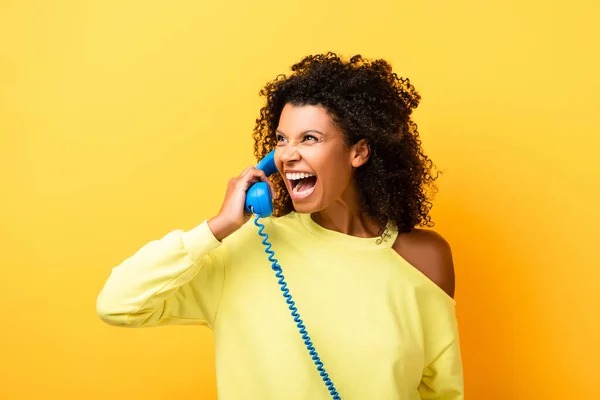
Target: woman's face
x=313 y=159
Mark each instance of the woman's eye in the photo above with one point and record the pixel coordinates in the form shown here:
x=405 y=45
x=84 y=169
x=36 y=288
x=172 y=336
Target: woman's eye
x=280 y=138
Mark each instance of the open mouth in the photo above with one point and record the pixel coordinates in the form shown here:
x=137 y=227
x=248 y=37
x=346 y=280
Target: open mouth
x=302 y=184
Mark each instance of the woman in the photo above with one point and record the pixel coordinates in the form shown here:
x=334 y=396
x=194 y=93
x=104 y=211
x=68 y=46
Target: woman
x=374 y=291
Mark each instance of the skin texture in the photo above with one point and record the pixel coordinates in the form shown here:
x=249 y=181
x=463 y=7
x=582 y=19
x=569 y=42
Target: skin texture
x=430 y=253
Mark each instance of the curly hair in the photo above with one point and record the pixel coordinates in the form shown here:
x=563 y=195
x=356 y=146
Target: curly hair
x=365 y=100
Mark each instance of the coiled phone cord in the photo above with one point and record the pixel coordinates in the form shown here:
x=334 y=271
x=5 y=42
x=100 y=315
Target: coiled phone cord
x=286 y=293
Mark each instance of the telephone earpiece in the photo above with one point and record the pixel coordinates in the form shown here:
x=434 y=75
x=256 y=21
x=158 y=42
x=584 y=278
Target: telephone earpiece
x=258 y=196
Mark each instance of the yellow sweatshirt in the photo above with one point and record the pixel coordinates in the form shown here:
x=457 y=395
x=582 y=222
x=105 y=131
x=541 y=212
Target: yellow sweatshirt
x=382 y=329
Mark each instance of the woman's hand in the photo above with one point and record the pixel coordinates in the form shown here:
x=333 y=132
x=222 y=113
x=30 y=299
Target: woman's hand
x=232 y=215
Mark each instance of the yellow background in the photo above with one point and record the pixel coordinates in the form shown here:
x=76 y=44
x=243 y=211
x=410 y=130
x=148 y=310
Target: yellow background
x=123 y=120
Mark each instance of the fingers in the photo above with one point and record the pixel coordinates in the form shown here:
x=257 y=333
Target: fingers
x=246 y=170
x=252 y=175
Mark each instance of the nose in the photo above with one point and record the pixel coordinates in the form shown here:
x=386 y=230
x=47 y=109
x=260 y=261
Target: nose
x=288 y=154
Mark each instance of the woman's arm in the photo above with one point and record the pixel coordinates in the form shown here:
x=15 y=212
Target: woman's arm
x=174 y=280
x=443 y=378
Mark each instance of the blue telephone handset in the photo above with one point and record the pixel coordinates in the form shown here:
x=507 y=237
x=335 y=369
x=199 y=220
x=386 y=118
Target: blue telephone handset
x=258 y=196
x=259 y=202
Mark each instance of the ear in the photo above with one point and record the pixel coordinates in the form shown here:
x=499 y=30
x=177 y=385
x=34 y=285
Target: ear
x=360 y=153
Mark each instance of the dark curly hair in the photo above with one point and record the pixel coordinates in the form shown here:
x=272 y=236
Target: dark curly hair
x=365 y=100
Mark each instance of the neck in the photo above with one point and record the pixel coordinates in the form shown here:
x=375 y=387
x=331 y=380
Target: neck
x=344 y=216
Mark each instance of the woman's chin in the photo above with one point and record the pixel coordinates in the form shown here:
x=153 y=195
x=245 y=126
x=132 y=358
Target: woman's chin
x=305 y=207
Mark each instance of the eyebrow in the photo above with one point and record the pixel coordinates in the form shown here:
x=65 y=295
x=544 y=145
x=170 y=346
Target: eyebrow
x=302 y=133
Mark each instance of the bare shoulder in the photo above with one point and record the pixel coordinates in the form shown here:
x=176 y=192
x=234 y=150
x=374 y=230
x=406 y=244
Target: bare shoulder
x=431 y=254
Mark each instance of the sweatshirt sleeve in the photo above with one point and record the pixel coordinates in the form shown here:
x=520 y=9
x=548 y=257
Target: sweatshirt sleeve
x=177 y=279
x=442 y=377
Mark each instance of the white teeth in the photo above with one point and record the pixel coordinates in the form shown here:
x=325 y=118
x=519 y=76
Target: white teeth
x=303 y=193
x=298 y=175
